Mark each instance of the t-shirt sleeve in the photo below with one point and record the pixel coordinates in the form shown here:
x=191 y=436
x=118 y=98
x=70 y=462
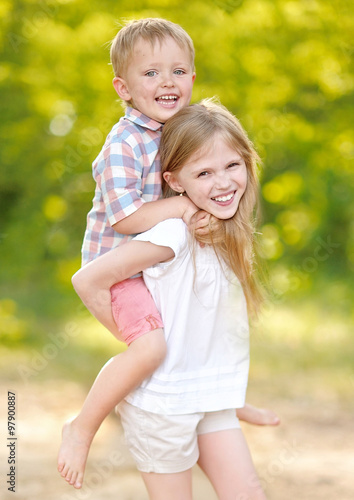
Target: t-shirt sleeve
x=119 y=177
x=171 y=233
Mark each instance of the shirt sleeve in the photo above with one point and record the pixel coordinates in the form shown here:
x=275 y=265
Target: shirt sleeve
x=119 y=178
x=171 y=233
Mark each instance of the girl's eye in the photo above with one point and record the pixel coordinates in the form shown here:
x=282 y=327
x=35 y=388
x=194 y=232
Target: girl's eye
x=151 y=73
x=234 y=164
x=203 y=174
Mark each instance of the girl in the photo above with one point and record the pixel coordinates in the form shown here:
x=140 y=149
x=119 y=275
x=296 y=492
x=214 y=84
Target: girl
x=186 y=411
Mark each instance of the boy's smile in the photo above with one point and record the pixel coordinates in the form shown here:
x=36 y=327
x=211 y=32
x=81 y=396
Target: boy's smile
x=158 y=80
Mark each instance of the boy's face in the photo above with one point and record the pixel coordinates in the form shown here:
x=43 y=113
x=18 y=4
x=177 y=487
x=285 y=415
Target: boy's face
x=158 y=80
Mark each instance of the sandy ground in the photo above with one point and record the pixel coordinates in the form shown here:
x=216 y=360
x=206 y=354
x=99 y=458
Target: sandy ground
x=309 y=456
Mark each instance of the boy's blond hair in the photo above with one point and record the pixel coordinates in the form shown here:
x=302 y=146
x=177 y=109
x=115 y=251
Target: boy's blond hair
x=151 y=30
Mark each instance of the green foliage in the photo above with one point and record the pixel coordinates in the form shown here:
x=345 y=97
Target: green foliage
x=283 y=67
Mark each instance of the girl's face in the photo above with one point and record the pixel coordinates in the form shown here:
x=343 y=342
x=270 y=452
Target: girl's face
x=214 y=178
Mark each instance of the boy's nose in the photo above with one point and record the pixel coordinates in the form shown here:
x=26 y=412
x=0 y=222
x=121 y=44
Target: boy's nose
x=167 y=81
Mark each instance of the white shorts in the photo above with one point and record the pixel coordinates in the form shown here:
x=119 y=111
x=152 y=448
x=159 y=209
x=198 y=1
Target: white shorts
x=169 y=443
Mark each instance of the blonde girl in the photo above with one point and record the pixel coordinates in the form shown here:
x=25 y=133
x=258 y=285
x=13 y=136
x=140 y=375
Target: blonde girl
x=185 y=413
x=190 y=134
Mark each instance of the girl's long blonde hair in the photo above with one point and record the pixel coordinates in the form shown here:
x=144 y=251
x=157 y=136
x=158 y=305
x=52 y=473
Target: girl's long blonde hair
x=192 y=129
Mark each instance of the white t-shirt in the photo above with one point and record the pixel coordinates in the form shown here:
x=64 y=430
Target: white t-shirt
x=206 y=329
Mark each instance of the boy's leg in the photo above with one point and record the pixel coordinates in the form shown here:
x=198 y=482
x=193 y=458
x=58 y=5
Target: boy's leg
x=225 y=458
x=176 y=486
x=140 y=325
x=117 y=378
x=257 y=416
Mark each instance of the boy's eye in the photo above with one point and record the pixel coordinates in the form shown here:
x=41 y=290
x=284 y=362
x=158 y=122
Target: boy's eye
x=179 y=72
x=203 y=174
x=151 y=73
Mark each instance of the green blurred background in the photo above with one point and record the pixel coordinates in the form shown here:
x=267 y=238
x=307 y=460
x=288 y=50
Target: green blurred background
x=283 y=67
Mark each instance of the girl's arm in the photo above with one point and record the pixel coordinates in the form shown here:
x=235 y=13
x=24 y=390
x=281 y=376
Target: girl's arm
x=93 y=282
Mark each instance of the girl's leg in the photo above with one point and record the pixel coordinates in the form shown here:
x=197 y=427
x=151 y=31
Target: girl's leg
x=176 y=486
x=117 y=378
x=226 y=460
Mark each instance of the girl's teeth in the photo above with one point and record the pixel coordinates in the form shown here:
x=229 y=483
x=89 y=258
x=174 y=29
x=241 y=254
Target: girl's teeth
x=224 y=198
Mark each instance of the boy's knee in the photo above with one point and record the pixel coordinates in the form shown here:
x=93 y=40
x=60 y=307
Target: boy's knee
x=151 y=349
x=157 y=350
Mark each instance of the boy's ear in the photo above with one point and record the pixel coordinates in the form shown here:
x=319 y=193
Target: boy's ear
x=172 y=181
x=121 y=88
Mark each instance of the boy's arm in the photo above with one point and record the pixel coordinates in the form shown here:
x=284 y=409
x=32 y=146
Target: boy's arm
x=153 y=212
x=120 y=174
x=93 y=282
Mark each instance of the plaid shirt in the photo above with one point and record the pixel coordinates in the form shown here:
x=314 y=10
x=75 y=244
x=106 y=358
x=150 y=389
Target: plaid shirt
x=127 y=174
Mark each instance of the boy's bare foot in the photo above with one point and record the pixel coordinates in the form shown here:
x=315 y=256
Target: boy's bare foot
x=257 y=416
x=73 y=453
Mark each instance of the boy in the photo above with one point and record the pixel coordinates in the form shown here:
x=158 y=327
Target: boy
x=153 y=62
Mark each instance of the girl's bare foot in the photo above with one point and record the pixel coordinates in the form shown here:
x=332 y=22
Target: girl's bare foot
x=73 y=453
x=257 y=416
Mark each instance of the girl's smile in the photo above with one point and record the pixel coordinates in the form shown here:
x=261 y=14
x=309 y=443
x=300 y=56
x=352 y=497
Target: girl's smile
x=214 y=178
x=226 y=199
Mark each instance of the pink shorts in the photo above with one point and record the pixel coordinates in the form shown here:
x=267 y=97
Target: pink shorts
x=134 y=310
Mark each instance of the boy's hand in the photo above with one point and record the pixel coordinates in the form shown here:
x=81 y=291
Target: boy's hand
x=202 y=224
x=199 y=223
x=189 y=209
x=197 y=220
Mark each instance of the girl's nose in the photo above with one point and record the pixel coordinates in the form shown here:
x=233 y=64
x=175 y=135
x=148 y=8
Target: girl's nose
x=222 y=181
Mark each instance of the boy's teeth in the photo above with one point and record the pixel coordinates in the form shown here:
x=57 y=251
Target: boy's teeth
x=168 y=97
x=224 y=198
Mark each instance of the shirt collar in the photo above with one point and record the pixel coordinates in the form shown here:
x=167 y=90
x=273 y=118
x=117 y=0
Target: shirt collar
x=144 y=121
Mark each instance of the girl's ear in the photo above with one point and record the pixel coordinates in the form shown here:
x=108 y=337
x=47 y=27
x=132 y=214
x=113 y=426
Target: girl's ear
x=172 y=181
x=121 y=88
